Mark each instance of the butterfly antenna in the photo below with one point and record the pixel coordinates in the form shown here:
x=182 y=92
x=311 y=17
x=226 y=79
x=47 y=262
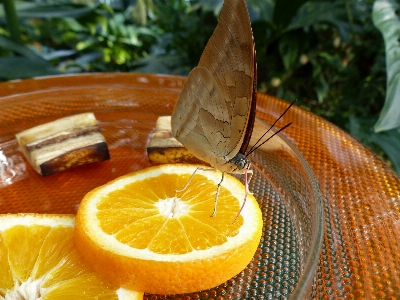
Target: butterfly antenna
x=258 y=146
x=255 y=146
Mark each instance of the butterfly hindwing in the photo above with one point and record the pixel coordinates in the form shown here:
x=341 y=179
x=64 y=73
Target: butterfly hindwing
x=195 y=120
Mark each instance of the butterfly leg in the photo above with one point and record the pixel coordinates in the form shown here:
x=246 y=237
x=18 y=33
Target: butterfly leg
x=246 y=190
x=250 y=172
x=217 y=195
x=218 y=187
x=189 y=181
x=191 y=178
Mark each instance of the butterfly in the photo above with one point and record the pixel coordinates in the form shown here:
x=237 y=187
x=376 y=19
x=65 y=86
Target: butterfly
x=215 y=112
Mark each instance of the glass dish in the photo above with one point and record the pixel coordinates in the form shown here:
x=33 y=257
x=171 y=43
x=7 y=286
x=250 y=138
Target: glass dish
x=285 y=263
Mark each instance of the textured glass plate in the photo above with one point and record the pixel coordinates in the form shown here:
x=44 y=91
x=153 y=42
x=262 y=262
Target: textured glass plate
x=285 y=263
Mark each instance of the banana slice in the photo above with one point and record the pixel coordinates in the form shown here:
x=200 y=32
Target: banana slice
x=163 y=148
x=63 y=144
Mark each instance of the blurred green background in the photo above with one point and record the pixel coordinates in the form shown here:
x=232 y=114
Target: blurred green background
x=340 y=59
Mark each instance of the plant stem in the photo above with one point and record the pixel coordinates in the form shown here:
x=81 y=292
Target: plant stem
x=12 y=20
x=350 y=16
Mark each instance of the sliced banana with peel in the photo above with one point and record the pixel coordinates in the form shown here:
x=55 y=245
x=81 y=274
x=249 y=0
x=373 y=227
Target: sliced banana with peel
x=63 y=144
x=163 y=148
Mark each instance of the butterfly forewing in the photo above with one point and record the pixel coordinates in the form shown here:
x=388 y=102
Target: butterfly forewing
x=229 y=56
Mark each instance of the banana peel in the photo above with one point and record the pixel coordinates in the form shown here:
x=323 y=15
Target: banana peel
x=64 y=143
x=163 y=148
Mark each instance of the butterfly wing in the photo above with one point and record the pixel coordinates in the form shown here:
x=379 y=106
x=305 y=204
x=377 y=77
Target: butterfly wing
x=252 y=115
x=230 y=57
x=213 y=110
x=202 y=127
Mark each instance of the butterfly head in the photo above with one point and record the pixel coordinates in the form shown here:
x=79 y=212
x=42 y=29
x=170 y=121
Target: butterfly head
x=240 y=163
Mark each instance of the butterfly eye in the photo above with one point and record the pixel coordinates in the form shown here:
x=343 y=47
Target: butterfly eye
x=241 y=164
x=240 y=161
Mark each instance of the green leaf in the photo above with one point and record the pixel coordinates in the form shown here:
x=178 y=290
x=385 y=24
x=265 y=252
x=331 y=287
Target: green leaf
x=155 y=64
x=285 y=10
x=258 y=10
x=261 y=10
x=388 y=141
x=312 y=13
x=24 y=67
x=386 y=20
x=31 y=10
x=321 y=88
x=7 y=43
x=82 y=45
x=213 y=5
x=131 y=37
x=289 y=51
x=55 y=54
x=85 y=59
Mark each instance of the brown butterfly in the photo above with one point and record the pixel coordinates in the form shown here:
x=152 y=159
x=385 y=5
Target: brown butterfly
x=214 y=115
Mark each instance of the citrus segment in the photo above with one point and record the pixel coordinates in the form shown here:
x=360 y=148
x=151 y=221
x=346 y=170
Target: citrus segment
x=6 y=277
x=89 y=283
x=56 y=245
x=25 y=246
x=70 y=267
x=138 y=232
x=39 y=260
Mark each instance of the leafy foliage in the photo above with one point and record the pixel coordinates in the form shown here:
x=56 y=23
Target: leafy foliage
x=76 y=38
x=326 y=54
x=186 y=29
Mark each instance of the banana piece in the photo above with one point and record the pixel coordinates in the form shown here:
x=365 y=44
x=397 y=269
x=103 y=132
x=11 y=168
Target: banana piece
x=63 y=144
x=162 y=148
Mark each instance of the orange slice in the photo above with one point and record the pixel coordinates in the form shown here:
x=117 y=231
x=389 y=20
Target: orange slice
x=38 y=260
x=138 y=232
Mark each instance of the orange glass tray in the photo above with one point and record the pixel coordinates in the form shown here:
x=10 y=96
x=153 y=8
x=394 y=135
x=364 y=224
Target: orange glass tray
x=360 y=256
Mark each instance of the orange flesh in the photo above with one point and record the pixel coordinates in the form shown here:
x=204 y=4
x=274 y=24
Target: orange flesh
x=48 y=254
x=131 y=214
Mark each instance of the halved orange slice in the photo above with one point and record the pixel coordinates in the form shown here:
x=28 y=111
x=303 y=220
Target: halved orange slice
x=138 y=232
x=38 y=260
